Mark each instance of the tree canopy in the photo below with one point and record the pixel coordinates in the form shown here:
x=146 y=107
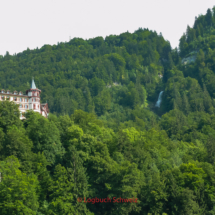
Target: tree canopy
x=104 y=137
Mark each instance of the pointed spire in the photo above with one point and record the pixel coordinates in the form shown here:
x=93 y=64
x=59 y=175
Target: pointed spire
x=33 y=86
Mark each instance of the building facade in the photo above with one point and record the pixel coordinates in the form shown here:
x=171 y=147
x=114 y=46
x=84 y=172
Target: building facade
x=28 y=101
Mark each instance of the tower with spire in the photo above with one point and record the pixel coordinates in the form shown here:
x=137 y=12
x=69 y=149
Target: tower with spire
x=34 y=97
x=30 y=101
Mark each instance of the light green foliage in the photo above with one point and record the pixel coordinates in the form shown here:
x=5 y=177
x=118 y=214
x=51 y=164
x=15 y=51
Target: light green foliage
x=17 y=143
x=61 y=187
x=18 y=191
x=118 y=61
x=104 y=136
x=192 y=176
x=9 y=115
x=102 y=102
x=74 y=75
x=44 y=135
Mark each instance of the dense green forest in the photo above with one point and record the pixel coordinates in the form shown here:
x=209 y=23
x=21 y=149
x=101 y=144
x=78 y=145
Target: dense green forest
x=105 y=137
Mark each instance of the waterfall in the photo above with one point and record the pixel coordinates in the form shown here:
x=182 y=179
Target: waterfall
x=158 y=103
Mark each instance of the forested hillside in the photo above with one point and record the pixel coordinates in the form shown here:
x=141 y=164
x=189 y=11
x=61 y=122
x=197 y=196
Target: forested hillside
x=105 y=137
x=101 y=76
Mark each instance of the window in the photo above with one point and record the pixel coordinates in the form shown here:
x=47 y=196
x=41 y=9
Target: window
x=20 y=105
x=15 y=93
x=26 y=100
x=2 y=97
x=2 y=91
x=8 y=97
x=34 y=106
x=34 y=99
x=20 y=93
x=26 y=106
x=20 y=99
x=21 y=114
x=8 y=92
x=15 y=99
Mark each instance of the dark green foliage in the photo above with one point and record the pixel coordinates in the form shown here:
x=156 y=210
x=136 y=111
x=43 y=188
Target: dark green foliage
x=18 y=191
x=104 y=136
x=73 y=75
x=44 y=135
x=9 y=115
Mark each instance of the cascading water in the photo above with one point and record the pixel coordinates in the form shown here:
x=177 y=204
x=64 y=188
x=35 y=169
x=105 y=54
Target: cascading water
x=158 y=103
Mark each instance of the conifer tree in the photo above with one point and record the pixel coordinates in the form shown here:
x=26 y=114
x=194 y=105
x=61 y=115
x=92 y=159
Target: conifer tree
x=201 y=29
x=209 y=18
x=78 y=172
x=185 y=104
x=182 y=45
x=171 y=63
x=213 y=10
x=198 y=32
x=177 y=98
x=188 y=39
x=207 y=99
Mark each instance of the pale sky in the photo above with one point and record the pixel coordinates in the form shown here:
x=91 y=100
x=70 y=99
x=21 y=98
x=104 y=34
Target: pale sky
x=33 y=23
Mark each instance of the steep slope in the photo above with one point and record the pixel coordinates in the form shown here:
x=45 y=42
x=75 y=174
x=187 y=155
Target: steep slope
x=48 y=166
x=190 y=83
x=106 y=76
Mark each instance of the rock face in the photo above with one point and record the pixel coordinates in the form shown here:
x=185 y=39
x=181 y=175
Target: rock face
x=191 y=58
x=188 y=60
x=114 y=84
